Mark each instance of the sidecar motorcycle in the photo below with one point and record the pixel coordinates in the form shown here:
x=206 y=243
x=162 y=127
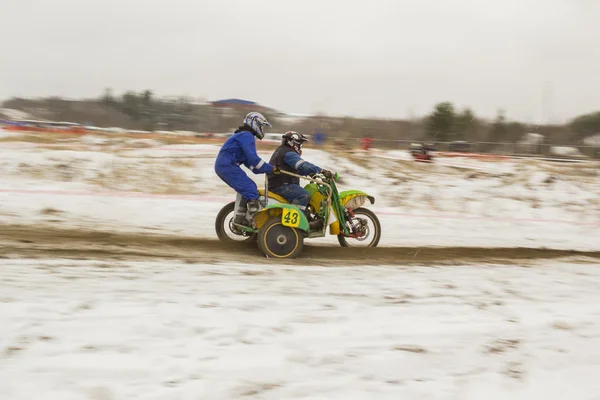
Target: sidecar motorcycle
x=280 y=227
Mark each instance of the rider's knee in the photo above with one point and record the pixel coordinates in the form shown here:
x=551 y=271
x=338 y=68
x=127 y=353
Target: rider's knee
x=303 y=199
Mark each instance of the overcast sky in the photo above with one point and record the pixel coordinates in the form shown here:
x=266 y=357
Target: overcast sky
x=388 y=58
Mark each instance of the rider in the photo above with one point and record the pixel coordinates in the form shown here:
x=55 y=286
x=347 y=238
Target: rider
x=240 y=148
x=287 y=157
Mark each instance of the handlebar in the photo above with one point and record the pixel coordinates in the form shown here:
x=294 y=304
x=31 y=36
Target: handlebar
x=318 y=177
x=322 y=181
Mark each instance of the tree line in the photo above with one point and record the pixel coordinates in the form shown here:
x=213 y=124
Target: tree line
x=152 y=113
x=445 y=124
x=144 y=110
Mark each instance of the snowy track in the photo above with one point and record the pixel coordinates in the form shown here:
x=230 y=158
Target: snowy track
x=40 y=242
x=107 y=330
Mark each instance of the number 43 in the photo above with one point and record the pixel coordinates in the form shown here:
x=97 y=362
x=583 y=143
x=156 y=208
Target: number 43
x=290 y=217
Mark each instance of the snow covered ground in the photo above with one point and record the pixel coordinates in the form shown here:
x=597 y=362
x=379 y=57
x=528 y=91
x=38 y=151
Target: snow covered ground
x=140 y=185
x=114 y=330
x=109 y=330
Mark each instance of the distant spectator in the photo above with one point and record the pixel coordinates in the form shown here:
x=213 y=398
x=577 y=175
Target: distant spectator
x=365 y=142
x=319 y=137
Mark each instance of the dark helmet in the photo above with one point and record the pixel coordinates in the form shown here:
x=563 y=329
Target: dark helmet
x=294 y=140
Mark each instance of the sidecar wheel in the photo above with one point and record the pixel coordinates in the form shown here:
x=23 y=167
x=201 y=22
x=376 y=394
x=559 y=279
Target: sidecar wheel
x=279 y=241
x=225 y=229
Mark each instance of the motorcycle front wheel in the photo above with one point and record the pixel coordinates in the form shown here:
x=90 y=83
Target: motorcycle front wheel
x=372 y=230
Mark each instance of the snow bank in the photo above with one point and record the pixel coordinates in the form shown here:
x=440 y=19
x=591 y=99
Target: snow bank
x=565 y=151
x=593 y=140
x=15 y=114
x=8 y=134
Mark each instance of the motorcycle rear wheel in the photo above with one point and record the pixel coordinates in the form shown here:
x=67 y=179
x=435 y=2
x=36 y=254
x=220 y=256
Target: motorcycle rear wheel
x=223 y=226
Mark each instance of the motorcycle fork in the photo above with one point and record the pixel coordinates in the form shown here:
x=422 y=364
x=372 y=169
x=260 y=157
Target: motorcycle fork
x=353 y=228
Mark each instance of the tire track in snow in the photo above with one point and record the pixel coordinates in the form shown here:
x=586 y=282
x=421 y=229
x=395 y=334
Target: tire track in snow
x=48 y=242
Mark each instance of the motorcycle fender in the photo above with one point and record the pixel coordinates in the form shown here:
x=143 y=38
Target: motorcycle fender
x=290 y=216
x=354 y=199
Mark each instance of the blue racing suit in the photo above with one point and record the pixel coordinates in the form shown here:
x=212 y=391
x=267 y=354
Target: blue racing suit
x=238 y=149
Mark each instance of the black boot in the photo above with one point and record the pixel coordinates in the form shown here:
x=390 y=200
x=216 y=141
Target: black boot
x=253 y=206
x=314 y=224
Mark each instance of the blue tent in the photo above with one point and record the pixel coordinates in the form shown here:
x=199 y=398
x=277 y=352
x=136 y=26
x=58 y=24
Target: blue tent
x=235 y=101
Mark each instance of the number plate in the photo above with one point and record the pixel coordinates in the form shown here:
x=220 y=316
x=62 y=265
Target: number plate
x=290 y=217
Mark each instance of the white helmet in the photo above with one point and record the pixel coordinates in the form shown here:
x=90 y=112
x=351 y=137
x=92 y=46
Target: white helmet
x=256 y=121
